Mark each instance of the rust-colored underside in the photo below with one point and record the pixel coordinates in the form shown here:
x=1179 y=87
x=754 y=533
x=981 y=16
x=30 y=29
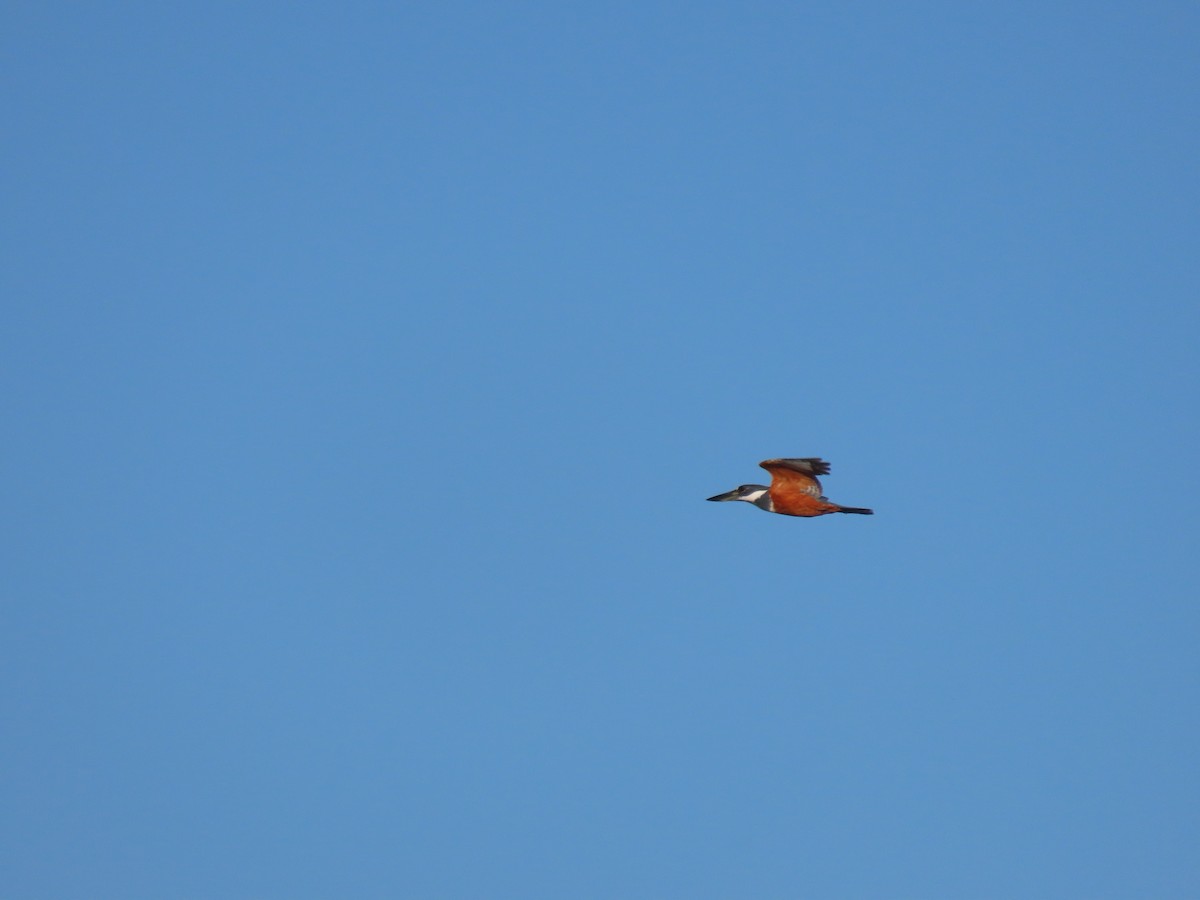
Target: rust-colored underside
x=795 y=492
x=793 y=503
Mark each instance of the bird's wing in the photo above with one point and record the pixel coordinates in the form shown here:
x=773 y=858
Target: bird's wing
x=796 y=475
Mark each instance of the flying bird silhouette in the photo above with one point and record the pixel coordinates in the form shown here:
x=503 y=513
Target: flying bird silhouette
x=794 y=490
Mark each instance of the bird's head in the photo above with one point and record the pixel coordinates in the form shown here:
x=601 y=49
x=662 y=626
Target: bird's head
x=751 y=493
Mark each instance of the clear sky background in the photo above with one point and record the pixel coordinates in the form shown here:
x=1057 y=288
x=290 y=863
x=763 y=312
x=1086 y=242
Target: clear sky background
x=367 y=366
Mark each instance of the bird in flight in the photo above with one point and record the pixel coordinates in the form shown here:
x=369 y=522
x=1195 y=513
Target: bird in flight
x=794 y=490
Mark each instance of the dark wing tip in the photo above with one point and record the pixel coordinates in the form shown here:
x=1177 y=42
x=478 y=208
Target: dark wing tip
x=809 y=465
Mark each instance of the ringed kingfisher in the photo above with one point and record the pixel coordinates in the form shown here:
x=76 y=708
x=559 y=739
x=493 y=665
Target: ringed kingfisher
x=794 y=490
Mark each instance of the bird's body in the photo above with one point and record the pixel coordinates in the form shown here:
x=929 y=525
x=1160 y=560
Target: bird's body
x=794 y=490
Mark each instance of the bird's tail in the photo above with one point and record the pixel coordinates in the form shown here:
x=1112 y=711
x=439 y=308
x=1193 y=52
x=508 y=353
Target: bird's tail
x=855 y=509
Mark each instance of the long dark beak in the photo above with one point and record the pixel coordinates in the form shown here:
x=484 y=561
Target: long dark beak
x=728 y=495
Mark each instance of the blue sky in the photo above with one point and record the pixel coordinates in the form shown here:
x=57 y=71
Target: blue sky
x=367 y=366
